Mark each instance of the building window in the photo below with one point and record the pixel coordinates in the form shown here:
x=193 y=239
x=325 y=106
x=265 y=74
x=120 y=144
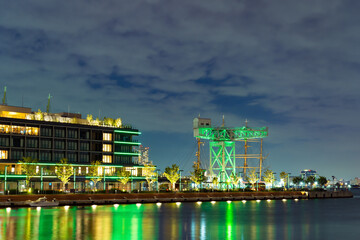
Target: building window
x=107 y=148
x=45 y=143
x=109 y=170
x=17 y=154
x=133 y=171
x=59 y=132
x=45 y=156
x=4 y=129
x=72 y=133
x=84 y=146
x=31 y=143
x=107 y=159
x=37 y=169
x=3 y=154
x=84 y=157
x=79 y=172
x=107 y=136
x=59 y=144
x=47 y=132
x=32 y=131
x=4 y=141
x=58 y=156
x=32 y=154
x=72 y=145
x=72 y=157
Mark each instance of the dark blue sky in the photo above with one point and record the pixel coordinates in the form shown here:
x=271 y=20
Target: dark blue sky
x=293 y=66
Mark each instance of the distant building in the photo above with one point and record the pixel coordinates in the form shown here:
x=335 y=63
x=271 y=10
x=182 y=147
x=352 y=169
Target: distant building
x=143 y=155
x=307 y=172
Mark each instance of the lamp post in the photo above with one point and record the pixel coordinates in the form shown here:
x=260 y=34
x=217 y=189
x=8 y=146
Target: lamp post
x=180 y=180
x=288 y=182
x=157 y=176
x=274 y=180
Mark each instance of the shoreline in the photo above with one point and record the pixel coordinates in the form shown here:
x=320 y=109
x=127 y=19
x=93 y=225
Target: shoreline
x=131 y=198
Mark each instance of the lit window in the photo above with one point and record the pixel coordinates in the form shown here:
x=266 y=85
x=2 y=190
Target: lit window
x=133 y=171
x=107 y=136
x=107 y=159
x=109 y=170
x=3 y=154
x=79 y=170
x=87 y=170
x=106 y=147
x=100 y=170
x=37 y=169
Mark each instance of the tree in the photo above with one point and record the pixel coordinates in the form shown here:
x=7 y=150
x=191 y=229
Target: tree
x=89 y=118
x=322 y=181
x=215 y=182
x=149 y=173
x=234 y=179
x=253 y=177
x=269 y=177
x=108 y=121
x=172 y=174
x=284 y=177
x=95 y=172
x=124 y=177
x=297 y=180
x=310 y=180
x=64 y=171
x=39 y=115
x=28 y=167
x=197 y=176
x=118 y=123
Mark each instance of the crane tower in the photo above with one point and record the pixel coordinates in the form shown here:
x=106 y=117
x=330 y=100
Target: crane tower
x=222 y=146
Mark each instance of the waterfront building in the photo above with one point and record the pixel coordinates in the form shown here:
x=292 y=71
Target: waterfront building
x=50 y=137
x=307 y=172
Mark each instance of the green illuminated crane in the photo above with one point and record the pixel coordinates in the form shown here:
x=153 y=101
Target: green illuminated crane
x=222 y=145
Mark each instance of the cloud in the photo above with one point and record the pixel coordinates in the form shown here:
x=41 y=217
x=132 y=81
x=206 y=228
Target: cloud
x=158 y=64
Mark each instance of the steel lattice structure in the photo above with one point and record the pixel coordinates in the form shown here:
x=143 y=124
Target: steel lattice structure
x=222 y=145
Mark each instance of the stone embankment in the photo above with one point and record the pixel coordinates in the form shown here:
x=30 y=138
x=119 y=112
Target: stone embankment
x=125 y=198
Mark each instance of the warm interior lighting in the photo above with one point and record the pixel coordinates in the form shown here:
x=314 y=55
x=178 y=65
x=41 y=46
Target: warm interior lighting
x=4 y=154
x=107 y=159
x=19 y=130
x=158 y=204
x=107 y=148
x=107 y=136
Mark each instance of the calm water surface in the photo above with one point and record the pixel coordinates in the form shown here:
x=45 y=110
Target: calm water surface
x=303 y=219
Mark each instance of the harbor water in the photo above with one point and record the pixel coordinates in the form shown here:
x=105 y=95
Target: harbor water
x=275 y=219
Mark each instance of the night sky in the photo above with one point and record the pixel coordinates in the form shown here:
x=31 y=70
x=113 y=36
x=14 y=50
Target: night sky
x=293 y=66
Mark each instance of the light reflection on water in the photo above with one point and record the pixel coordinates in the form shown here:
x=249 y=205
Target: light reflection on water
x=303 y=219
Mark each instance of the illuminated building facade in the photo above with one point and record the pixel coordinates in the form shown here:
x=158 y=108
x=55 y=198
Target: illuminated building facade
x=50 y=137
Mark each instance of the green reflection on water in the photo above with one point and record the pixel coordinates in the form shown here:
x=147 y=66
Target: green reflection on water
x=221 y=220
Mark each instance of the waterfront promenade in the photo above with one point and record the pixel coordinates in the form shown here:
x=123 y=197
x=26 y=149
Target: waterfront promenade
x=125 y=198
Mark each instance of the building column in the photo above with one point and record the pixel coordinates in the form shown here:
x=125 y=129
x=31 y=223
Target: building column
x=5 y=182
x=41 y=179
x=74 y=179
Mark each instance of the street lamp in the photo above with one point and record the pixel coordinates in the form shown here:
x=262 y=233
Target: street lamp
x=288 y=182
x=180 y=180
x=157 y=176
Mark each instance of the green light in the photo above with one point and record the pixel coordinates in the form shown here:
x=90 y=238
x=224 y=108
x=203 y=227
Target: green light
x=125 y=153
x=130 y=143
x=130 y=132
